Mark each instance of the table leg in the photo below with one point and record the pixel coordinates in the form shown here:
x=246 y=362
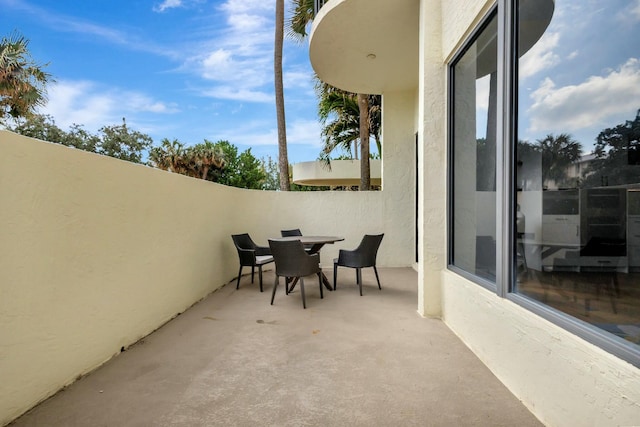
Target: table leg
x=325 y=280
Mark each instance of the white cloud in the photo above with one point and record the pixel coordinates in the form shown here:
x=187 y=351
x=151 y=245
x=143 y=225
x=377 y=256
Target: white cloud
x=237 y=59
x=244 y=22
x=593 y=103
x=238 y=94
x=299 y=132
x=93 y=106
x=234 y=7
x=304 y=132
x=540 y=57
x=167 y=4
x=297 y=79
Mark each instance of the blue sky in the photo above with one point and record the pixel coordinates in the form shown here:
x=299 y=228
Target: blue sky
x=583 y=75
x=184 y=69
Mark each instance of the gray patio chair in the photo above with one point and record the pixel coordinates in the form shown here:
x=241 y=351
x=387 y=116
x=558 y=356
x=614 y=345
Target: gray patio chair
x=363 y=256
x=295 y=232
x=251 y=255
x=293 y=262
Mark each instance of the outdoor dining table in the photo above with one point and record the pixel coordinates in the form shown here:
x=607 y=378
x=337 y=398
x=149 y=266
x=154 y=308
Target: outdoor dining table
x=316 y=243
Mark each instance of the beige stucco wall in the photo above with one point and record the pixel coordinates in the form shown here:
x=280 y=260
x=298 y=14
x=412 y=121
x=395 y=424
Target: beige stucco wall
x=96 y=253
x=432 y=159
x=561 y=378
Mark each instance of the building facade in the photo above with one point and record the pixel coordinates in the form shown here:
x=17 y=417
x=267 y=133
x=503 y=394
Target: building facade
x=496 y=99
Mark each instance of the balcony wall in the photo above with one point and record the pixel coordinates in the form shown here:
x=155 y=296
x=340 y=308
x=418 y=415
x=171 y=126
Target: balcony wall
x=96 y=253
x=366 y=46
x=340 y=172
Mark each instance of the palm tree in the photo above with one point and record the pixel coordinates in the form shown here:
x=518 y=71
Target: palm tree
x=169 y=156
x=558 y=153
x=339 y=132
x=302 y=14
x=283 y=159
x=207 y=155
x=365 y=167
x=22 y=81
x=339 y=113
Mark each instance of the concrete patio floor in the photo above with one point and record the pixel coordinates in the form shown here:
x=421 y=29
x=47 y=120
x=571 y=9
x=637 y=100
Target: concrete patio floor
x=234 y=360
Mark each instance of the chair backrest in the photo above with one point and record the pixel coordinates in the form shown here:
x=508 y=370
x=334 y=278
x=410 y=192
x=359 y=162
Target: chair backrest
x=292 y=260
x=288 y=233
x=368 y=249
x=245 y=247
x=243 y=241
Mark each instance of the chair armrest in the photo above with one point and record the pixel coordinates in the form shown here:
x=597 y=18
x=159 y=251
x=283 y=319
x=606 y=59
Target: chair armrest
x=349 y=258
x=263 y=250
x=247 y=256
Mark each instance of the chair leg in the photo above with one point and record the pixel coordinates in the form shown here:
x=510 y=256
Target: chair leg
x=320 y=282
x=253 y=269
x=260 y=276
x=304 y=303
x=335 y=276
x=377 y=278
x=239 y=274
x=359 y=279
x=275 y=286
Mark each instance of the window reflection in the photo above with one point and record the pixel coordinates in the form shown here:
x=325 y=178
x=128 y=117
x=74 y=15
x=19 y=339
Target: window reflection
x=578 y=165
x=474 y=82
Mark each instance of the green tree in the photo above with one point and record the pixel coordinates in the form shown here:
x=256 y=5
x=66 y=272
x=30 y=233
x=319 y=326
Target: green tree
x=243 y=170
x=22 y=80
x=302 y=13
x=41 y=127
x=617 y=156
x=123 y=143
x=114 y=141
x=272 y=178
x=339 y=113
x=168 y=156
x=206 y=157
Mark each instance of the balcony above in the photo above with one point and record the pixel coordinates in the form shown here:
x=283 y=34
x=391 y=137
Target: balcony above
x=366 y=46
x=342 y=173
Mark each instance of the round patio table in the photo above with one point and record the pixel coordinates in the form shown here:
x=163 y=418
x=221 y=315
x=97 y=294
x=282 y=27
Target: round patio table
x=316 y=243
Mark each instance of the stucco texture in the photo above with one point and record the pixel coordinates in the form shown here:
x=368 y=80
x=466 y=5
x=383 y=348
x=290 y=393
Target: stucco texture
x=96 y=253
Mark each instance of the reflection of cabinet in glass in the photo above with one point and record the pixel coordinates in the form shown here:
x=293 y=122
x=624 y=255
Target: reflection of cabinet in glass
x=603 y=226
x=560 y=225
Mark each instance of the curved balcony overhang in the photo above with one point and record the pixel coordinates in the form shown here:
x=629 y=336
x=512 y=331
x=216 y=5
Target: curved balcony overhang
x=366 y=46
x=341 y=173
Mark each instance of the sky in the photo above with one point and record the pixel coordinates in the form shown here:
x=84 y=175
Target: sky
x=203 y=69
x=179 y=69
x=581 y=77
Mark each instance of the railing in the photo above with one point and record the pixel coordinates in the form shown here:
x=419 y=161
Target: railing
x=317 y=4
